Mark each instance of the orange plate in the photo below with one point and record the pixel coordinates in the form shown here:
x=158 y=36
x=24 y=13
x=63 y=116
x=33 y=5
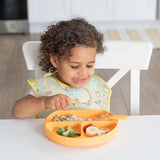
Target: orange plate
x=82 y=141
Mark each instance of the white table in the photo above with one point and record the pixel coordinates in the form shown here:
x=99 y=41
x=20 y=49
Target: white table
x=138 y=138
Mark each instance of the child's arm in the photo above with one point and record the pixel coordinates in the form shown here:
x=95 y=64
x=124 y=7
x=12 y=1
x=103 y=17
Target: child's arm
x=30 y=105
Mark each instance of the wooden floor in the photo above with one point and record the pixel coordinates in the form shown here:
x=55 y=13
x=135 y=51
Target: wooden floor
x=13 y=76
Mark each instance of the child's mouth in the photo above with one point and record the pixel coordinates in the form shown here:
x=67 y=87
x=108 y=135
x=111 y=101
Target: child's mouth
x=77 y=80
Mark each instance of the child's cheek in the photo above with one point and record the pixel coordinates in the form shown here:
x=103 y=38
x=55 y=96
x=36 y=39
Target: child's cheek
x=91 y=73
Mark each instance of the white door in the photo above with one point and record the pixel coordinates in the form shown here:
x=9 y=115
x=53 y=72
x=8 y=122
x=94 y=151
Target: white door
x=48 y=10
x=135 y=9
x=92 y=10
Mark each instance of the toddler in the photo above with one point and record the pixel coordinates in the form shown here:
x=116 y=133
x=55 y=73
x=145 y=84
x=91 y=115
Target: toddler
x=68 y=52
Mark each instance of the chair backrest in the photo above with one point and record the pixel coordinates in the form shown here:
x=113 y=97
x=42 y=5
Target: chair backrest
x=126 y=56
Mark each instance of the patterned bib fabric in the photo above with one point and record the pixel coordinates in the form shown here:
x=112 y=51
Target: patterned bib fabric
x=96 y=92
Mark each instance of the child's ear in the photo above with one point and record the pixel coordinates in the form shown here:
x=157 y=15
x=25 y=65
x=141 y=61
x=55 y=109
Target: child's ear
x=53 y=60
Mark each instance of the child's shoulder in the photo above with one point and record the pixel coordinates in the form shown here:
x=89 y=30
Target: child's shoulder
x=97 y=78
x=44 y=78
x=54 y=74
x=99 y=81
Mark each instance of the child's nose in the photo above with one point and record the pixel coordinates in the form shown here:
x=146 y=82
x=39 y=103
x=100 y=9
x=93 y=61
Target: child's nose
x=82 y=71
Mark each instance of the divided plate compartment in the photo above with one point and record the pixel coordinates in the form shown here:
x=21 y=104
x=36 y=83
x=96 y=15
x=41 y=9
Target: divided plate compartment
x=51 y=127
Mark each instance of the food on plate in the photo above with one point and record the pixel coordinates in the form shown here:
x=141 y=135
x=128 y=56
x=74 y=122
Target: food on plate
x=63 y=118
x=103 y=131
x=92 y=130
x=60 y=118
x=84 y=129
x=67 y=132
x=60 y=131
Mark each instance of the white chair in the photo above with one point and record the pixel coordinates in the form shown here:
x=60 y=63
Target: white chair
x=126 y=56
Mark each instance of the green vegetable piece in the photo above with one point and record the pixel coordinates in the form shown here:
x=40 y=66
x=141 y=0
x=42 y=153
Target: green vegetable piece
x=69 y=133
x=74 y=134
x=68 y=128
x=66 y=133
x=60 y=131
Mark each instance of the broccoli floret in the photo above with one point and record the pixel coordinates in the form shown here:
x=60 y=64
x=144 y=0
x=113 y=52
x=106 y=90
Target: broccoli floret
x=66 y=133
x=68 y=128
x=74 y=134
x=60 y=131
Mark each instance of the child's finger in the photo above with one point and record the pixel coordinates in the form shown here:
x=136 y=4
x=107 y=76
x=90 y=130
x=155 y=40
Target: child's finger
x=64 y=104
x=68 y=100
x=61 y=104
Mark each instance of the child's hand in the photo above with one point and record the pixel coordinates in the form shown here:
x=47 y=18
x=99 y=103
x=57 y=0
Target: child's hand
x=59 y=101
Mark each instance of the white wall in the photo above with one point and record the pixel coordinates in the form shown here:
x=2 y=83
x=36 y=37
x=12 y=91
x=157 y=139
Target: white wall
x=98 y=12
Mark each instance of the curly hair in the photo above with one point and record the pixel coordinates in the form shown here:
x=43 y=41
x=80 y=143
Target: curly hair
x=60 y=38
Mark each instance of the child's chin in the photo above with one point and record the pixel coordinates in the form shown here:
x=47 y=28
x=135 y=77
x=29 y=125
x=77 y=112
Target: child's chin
x=78 y=86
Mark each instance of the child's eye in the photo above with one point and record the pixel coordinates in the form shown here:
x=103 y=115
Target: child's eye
x=89 y=66
x=74 y=67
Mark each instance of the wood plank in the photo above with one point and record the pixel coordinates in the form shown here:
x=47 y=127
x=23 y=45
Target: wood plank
x=133 y=34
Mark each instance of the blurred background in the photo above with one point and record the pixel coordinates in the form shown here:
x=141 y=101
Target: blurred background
x=25 y=20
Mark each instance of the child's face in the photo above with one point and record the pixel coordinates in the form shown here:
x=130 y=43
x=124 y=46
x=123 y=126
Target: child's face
x=78 y=69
